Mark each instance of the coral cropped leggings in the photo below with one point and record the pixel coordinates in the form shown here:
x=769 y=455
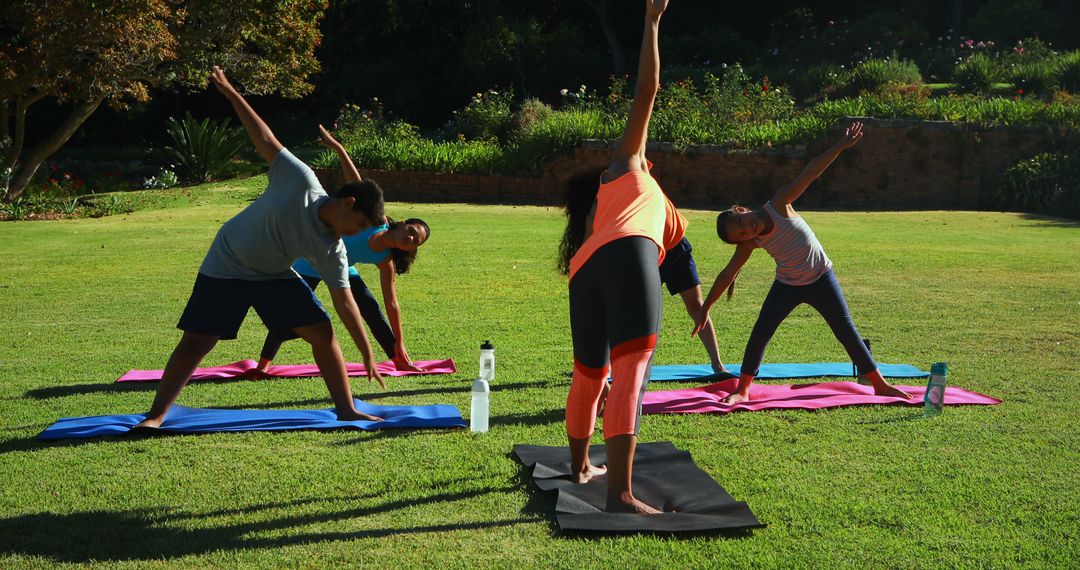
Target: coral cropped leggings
x=615 y=303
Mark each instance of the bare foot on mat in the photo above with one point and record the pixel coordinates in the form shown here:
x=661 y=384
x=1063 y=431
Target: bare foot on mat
x=357 y=416
x=588 y=473
x=630 y=505
x=891 y=391
x=735 y=398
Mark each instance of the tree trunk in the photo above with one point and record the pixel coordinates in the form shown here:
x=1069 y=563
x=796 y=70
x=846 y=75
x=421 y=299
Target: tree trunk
x=28 y=164
x=618 y=56
x=958 y=18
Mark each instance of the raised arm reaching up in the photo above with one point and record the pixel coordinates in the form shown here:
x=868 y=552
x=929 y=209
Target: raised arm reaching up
x=791 y=192
x=629 y=153
x=266 y=144
x=348 y=169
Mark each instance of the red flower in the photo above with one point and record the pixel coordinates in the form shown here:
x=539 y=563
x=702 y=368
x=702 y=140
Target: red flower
x=1019 y=91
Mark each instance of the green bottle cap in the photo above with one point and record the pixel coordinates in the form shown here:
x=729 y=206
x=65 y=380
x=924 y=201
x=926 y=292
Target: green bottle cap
x=940 y=368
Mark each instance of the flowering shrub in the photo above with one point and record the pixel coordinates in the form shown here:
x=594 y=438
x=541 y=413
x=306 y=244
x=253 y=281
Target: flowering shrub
x=874 y=75
x=164 y=179
x=485 y=118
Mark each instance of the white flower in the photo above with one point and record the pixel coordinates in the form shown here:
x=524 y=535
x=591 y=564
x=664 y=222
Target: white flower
x=563 y=92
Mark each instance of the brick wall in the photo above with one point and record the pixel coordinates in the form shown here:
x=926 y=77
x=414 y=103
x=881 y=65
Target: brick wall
x=899 y=165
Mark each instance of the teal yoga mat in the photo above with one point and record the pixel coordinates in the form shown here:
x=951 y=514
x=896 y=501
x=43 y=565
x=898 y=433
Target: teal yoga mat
x=672 y=372
x=181 y=419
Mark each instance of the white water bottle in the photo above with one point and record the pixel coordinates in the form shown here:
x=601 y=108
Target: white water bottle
x=478 y=417
x=487 y=361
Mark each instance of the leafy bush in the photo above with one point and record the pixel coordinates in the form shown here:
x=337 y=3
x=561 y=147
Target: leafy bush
x=558 y=133
x=1048 y=183
x=1069 y=71
x=976 y=74
x=531 y=112
x=873 y=75
x=822 y=81
x=1039 y=76
x=485 y=118
x=203 y=149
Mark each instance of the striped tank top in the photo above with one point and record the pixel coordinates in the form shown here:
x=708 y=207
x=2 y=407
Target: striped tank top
x=800 y=259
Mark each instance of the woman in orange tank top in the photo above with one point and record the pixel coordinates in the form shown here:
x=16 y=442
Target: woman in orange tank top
x=611 y=253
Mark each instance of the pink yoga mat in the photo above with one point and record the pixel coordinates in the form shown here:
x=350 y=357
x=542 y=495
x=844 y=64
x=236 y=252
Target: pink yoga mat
x=245 y=369
x=706 y=399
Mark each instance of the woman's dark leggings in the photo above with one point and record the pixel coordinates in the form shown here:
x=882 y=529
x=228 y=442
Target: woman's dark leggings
x=615 y=302
x=825 y=296
x=369 y=310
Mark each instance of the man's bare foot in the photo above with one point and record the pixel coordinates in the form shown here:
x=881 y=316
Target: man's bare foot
x=890 y=391
x=735 y=398
x=151 y=423
x=588 y=472
x=353 y=416
x=626 y=503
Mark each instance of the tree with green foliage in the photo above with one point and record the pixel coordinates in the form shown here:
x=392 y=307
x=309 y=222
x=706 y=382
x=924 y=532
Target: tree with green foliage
x=80 y=54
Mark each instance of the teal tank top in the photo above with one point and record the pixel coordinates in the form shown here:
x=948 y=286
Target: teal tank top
x=358 y=252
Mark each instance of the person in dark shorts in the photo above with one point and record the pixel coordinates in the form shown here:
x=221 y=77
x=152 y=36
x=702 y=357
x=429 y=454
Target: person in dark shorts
x=249 y=264
x=679 y=274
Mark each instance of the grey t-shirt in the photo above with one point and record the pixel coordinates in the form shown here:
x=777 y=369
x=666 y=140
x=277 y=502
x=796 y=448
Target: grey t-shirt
x=280 y=226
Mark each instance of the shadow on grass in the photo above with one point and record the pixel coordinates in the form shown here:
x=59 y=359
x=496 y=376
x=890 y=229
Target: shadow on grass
x=83 y=389
x=1051 y=221
x=154 y=534
x=905 y=418
x=546 y=417
x=34 y=444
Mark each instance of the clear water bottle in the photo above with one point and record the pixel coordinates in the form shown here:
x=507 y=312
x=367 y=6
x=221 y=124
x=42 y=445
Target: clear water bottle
x=934 y=399
x=487 y=361
x=478 y=417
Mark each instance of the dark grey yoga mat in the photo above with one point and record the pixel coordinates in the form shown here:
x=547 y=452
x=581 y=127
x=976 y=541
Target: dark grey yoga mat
x=664 y=477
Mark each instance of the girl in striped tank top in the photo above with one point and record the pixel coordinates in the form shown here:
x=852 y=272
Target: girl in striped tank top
x=803 y=274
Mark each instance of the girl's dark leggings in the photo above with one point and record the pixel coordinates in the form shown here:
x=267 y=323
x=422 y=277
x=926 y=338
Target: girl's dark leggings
x=369 y=310
x=615 y=302
x=825 y=296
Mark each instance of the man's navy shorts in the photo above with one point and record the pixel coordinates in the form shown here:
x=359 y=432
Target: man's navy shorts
x=217 y=307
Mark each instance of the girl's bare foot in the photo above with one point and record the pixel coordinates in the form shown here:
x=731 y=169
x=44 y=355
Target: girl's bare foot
x=884 y=389
x=353 y=416
x=588 y=472
x=151 y=423
x=626 y=503
x=735 y=398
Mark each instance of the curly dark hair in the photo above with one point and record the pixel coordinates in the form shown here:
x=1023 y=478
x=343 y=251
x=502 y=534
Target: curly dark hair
x=579 y=193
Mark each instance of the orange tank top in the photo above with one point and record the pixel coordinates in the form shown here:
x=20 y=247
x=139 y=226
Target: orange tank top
x=631 y=205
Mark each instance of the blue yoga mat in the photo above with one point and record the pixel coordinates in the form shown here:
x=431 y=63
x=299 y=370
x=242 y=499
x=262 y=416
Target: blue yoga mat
x=669 y=372
x=181 y=419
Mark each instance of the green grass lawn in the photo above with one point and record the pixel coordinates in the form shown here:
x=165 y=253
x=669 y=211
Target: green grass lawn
x=996 y=295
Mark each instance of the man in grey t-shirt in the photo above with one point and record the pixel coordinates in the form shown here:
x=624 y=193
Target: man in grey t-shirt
x=249 y=264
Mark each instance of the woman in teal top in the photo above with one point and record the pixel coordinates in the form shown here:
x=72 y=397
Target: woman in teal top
x=392 y=248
